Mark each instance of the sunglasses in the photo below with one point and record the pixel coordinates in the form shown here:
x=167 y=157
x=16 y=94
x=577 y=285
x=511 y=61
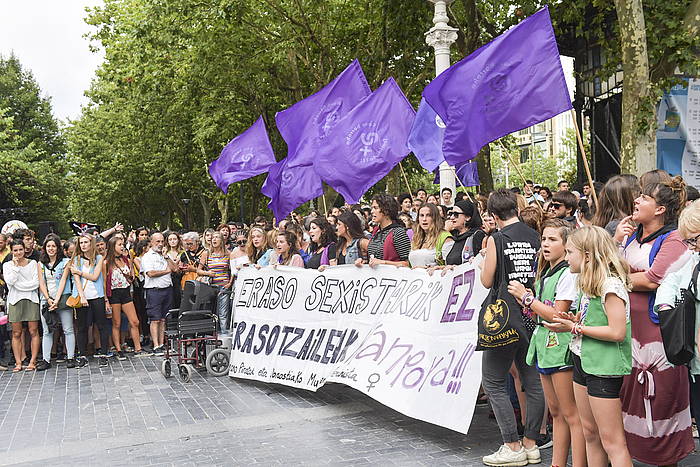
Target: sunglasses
x=555 y=205
x=454 y=214
x=241 y=242
x=692 y=242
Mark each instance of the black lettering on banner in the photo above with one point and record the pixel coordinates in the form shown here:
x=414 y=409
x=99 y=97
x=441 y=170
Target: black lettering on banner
x=286 y=351
x=316 y=294
x=346 y=288
x=286 y=330
x=351 y=340
x=395 y=296
x=290 y=291
x=237 y=338
x=365 y=288
x=262 y=337
x=277 y=292
x=313 y=355
x=248 y=343
x=265 y=300
x=304 y=351
x=385 y=284
x=325 y=306
x=245 y=289
x=330 y=347
x=272 y=340
x=257 y=286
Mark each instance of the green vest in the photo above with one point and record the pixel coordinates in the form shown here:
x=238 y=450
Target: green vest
x=604 y=358
x=550 y=349
x=442 y=237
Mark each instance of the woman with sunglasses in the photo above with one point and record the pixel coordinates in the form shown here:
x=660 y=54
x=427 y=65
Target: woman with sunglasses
x=464 y=223
x=657 y=423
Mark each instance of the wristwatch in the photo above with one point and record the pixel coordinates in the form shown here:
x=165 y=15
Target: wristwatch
x=528 y=299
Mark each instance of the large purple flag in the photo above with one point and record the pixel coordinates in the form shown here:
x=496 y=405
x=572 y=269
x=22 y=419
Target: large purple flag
x=247 y=155
x=511 y=83
x=289 y=187
x=367 y=143
x=306 y=124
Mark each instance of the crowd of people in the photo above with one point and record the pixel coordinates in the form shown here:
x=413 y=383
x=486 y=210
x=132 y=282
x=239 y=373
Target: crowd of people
x=587 y=376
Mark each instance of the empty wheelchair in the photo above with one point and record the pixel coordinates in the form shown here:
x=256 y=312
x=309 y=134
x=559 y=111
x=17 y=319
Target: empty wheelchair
x=191 y=337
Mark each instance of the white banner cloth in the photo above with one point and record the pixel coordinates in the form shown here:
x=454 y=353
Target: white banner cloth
x=402 y=337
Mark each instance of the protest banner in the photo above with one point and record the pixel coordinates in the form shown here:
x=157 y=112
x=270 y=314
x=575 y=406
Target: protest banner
x=401 y=336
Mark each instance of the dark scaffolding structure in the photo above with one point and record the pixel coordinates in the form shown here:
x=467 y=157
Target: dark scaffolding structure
x=597 y=102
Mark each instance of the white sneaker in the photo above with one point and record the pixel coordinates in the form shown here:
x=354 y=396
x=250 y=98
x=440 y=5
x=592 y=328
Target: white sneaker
x=533 y=454
x=505 y=456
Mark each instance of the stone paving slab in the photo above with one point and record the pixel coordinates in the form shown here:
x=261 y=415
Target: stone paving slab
x=127 y=413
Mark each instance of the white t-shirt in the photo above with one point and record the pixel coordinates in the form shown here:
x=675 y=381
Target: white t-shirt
x=153 y=261
x=88 y=285
x=612 y=285
x=566 y=287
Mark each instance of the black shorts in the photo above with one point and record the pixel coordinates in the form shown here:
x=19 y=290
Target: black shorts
x=596 y=386
x=120 y=296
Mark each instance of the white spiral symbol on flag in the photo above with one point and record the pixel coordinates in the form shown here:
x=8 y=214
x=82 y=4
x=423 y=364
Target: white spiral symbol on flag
x=286 y=178
x=439 y=122
x=247 y=157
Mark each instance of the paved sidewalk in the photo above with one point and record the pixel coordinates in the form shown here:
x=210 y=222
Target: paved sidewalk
x=128 y=414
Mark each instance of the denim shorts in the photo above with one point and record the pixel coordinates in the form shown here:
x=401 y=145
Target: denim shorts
x=597 y=386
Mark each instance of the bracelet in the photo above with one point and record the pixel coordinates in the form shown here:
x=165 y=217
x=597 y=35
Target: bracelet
x=577 y=330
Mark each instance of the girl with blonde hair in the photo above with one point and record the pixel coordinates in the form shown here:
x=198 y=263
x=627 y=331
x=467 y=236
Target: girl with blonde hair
x=257 y=247
x=601 y=342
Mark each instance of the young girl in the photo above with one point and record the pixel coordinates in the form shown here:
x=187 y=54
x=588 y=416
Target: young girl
x=86 y=268
x=555 y=291
x=600 y=342
x=286 y=252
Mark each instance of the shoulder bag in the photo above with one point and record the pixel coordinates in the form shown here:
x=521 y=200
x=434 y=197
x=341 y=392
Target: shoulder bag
x=678 y=324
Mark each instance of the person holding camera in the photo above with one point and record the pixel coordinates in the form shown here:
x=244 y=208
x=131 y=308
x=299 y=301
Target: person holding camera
x=157 y=269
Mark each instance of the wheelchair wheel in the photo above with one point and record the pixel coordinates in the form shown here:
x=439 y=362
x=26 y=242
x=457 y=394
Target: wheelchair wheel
x=217 y=362
x=166 y=367
x=185 y=371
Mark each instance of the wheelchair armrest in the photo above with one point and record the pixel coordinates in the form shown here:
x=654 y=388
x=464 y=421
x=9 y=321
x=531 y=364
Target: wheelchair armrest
x=196 y=314
x=172 y=312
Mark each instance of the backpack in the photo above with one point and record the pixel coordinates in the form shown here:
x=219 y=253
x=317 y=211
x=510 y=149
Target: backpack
x=678 y=324
x=653 y=316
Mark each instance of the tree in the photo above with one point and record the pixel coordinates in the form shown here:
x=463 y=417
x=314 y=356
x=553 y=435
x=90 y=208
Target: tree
x=649 y=42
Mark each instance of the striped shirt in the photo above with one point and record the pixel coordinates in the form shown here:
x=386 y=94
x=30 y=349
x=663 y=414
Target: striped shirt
x=219 y=265
x=402 y=244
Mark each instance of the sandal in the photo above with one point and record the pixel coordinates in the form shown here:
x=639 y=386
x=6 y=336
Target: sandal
x=17 y=369
x=31 y=367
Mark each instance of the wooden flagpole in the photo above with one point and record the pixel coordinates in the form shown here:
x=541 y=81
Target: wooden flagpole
x=585 y=160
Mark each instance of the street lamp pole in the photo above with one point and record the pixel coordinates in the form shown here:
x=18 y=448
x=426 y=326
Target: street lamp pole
x=440 y=37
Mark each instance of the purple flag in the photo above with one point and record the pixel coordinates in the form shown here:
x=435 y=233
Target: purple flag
x=306 y=124
x=511 y=83
x=247 y=155
x=425 y=140
x=366 y=143
x=290 y=187
x=467 y=173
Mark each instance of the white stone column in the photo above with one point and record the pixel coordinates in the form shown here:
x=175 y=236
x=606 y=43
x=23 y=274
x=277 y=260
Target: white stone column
x=440 y=37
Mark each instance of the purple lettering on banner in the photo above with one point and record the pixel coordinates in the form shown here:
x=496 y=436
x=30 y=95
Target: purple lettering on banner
x=464 y=313
x=448 y=317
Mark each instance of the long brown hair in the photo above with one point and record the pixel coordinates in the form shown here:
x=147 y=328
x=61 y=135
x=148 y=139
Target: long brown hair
x=616 y=201
x=111 y=258
x=423 y=239
x=91 y=256
x=291 y=240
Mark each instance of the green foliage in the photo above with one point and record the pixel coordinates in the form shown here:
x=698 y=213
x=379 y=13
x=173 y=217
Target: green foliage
x=31 y=150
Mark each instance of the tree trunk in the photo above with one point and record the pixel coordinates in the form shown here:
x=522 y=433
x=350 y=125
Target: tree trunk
x=483 y=162
x=206 y=210
x=222 y=204
x=638 y=142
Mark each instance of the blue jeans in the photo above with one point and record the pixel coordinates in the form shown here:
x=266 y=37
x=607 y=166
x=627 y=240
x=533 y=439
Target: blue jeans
x=66 y=316
x=223 y=309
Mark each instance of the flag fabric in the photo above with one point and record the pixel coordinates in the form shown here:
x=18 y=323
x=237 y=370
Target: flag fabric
x=307 y=123
x=366 y=143
x=425 y=140
x=80 y=228
x=467 y=173
x=289 y=187
x=511 y=83
x=247 y=155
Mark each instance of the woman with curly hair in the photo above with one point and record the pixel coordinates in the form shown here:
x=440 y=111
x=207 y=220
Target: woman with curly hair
x=389 y=243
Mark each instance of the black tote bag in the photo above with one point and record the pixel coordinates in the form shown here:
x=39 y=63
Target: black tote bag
x=678 y=324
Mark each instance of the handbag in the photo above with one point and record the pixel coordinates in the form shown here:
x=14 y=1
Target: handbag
x=74 y=301
x=501 y=319
x=678 y=324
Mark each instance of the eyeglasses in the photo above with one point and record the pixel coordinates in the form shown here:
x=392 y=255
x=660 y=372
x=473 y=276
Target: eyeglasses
x=692 y=242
